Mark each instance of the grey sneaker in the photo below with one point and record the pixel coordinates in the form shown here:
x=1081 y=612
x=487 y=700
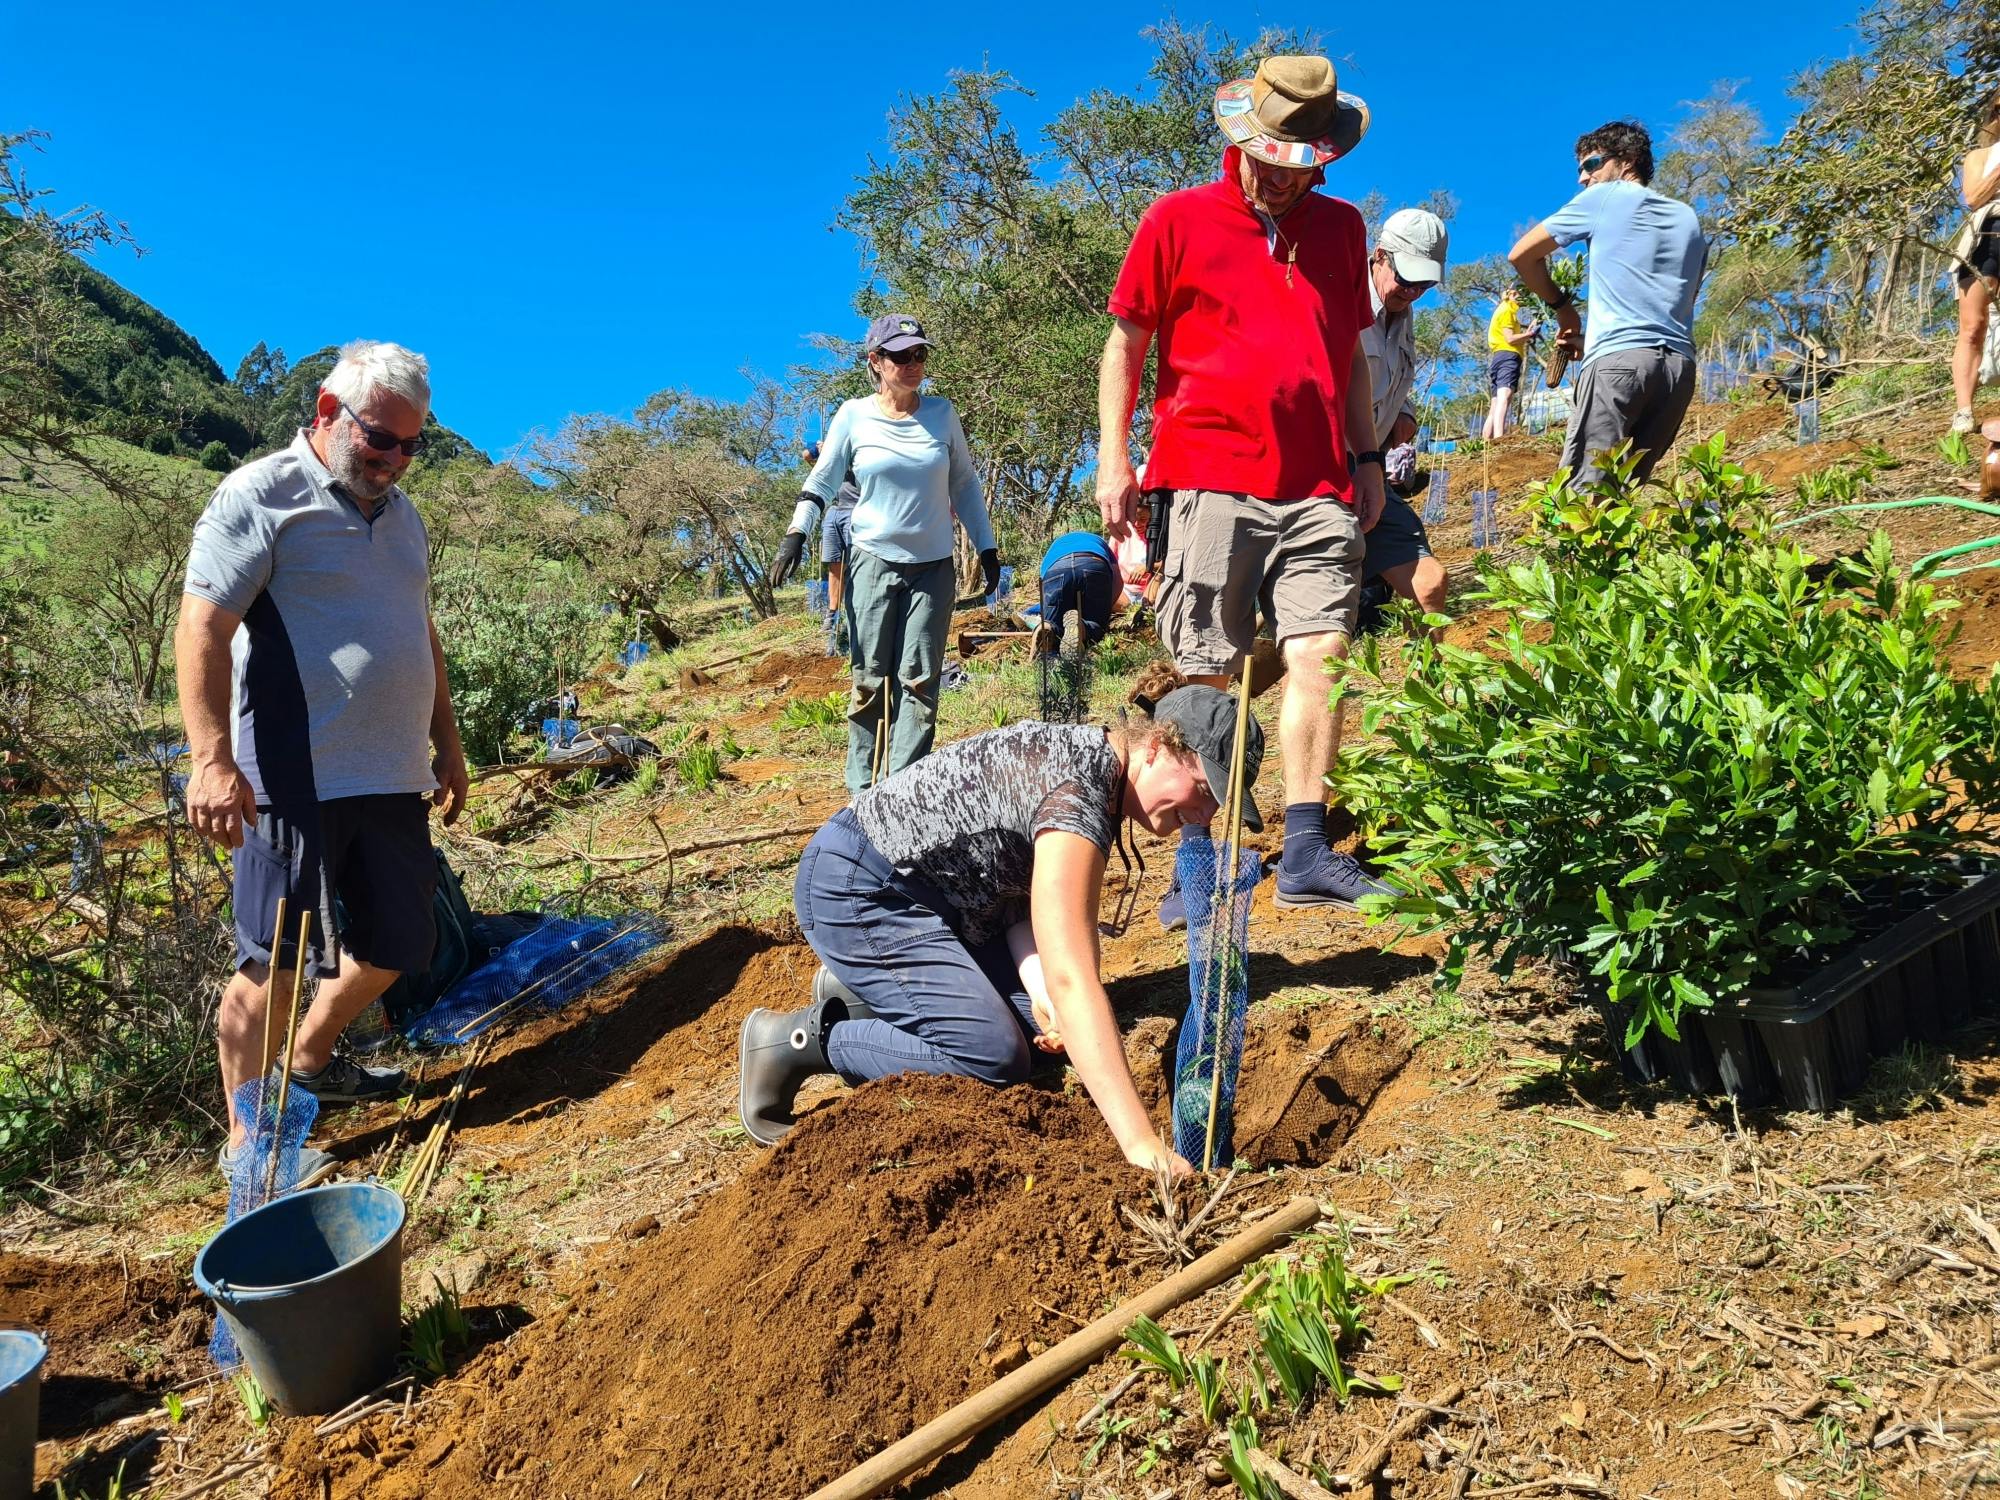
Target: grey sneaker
x=314 y=1166
x=1335 y=880
x=345 y=1081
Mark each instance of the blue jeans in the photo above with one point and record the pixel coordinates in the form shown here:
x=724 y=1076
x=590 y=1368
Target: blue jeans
x=942 y=1006
x=1084 y=582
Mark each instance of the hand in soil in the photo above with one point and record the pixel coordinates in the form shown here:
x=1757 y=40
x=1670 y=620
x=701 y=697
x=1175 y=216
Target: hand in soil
x=1048 y=1037
x=1153 y=1153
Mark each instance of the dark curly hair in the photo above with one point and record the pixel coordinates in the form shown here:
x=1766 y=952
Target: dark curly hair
x=1621 y=140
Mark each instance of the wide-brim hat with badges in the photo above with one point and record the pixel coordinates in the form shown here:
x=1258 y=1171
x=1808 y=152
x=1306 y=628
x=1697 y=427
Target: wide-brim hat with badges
x=1291 y=113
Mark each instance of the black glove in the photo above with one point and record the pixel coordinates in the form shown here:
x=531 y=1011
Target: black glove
x=989 y=568
x=788 y=557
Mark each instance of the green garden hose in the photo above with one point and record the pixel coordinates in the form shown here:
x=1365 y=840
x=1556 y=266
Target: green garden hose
x=1923 y=565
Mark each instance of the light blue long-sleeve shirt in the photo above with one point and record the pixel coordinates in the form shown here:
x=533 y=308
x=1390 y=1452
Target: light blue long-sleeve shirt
x=914 y=474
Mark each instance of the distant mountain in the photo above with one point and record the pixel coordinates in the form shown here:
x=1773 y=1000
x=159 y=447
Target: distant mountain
x=149 y=382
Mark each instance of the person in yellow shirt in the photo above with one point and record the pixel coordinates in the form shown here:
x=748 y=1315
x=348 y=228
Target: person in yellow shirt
x=1506 y=342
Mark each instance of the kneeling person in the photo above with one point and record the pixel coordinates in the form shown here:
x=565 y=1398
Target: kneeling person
x=955 y=907
x=1079 y=576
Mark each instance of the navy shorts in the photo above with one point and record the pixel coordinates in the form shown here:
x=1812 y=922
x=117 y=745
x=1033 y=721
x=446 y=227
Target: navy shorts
x=361 y=865
x=835 y=535
x=1081 y=581
x=1503 y=372
x=1398 y=539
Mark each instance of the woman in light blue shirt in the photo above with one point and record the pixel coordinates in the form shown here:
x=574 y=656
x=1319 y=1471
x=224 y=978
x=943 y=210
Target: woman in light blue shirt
x=915 y=472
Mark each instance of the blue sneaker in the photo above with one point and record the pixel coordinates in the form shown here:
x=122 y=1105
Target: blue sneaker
x=1336 y=880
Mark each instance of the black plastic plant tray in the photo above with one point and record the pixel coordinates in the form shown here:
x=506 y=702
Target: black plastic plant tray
x=1811 y=1044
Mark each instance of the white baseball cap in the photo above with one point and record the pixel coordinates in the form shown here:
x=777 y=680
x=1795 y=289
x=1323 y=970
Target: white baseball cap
x=1415 y=239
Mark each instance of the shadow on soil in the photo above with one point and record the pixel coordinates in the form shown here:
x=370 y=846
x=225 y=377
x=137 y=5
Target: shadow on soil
x=575 y=1062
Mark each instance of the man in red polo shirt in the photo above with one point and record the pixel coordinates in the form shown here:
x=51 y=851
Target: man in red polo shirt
x=1256 y=288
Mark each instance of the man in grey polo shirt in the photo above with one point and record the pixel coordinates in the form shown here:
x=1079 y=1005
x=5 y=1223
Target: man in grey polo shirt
x=1647 y=255
x=313 y=689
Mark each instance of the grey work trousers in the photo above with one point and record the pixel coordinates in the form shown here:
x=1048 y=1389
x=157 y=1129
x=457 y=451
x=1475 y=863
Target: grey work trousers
x=898 y=618
x=1640 y=394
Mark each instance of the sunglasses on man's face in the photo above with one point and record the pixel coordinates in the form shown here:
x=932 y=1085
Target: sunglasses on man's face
x=382 y=440
x=914 y=356
x=1411 y=288
x=1590 y=164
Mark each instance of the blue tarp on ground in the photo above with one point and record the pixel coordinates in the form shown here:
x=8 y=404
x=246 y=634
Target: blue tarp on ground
x=546 y=968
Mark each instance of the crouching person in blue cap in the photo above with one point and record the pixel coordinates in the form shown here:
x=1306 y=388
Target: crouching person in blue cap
x=954 y=908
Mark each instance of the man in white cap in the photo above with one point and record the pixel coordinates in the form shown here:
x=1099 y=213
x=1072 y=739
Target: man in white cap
x=1256 y=288
x=1408 y=261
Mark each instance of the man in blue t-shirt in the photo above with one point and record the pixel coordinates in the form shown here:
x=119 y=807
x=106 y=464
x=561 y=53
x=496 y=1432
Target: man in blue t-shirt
x=1647 y=255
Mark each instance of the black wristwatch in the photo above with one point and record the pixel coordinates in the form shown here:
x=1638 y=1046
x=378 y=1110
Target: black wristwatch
x=1560 y=300
x=1372 y=456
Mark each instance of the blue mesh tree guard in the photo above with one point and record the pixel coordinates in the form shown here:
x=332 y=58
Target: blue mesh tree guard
x=251 y=1170
x=816 y=596
x=1434 y=500
x=547 y=968
x=1485 y=525
x=1218 y=930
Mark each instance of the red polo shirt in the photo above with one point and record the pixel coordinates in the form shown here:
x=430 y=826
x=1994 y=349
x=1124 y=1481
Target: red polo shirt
x=1253 y=371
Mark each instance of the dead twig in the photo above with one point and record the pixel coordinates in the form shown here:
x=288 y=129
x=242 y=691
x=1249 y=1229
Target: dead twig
x=1286 y=1478
x=1361 y=1473
x=1424 y=1330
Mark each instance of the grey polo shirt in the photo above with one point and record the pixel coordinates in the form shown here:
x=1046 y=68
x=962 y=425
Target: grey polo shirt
x=332 y=673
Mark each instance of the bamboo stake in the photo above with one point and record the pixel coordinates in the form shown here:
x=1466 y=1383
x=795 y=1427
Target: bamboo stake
x=291 y=1036
x=1082 y=1348
x=270 y=1004
x=1225 y=901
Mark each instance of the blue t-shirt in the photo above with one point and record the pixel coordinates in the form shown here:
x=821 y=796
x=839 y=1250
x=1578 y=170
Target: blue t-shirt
x=914 y=474
x=1070 y=543
x=1646 y=258
x=333 y=676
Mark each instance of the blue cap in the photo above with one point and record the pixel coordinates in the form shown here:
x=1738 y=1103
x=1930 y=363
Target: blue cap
x=894 y=332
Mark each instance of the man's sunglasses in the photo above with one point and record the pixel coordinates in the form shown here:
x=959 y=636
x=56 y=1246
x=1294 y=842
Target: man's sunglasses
x=1414 y=288
x=382 y=440
x=914 y=356
x=1590 y=163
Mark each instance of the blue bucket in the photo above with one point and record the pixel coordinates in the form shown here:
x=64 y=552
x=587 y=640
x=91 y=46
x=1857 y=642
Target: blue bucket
x=21 y=1357
x=311 y=1286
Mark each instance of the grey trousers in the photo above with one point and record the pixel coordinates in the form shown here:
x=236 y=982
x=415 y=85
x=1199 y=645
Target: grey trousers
x=899 y=615
x=1640 y=394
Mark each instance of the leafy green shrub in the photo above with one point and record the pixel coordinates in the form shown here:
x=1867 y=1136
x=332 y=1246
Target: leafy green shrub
x=215 y=457
x=1683 y=757
x=508 y=641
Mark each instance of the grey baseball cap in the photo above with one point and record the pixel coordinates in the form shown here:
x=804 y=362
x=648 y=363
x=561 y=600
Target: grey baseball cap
x=895 y=332
x=1416 y=240
x=1206 y=718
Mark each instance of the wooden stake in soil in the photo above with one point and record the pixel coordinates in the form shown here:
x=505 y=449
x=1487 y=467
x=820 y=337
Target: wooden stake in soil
x=291 y=1035
x=942 y=1434
x=1221 y=924
x=270 y=1005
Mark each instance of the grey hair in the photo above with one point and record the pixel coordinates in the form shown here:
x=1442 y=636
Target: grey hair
x=369 y=365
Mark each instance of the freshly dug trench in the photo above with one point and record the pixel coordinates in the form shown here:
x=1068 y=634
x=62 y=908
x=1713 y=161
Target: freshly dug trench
x=1305 y=1085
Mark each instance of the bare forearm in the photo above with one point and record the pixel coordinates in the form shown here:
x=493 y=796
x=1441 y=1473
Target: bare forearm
x=444 y=722
x=1530 y=260
x=202 y=676
x=1118 y=392
x=1360 y=402
x=1978 y=192
x=1083 y=1015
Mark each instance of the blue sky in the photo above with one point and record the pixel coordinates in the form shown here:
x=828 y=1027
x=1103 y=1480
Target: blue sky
x=570 y=209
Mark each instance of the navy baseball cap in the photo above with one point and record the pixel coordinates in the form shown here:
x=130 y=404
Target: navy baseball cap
x=894 y=332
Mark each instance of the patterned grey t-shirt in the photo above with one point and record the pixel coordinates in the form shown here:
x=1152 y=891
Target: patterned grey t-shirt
x=964 y=818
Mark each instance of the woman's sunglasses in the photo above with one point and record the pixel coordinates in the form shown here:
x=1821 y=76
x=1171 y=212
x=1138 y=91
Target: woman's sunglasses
x=914 y=356
x=382 y=440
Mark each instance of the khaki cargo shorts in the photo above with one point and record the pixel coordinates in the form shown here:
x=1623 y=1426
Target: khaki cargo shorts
x=1300 y=561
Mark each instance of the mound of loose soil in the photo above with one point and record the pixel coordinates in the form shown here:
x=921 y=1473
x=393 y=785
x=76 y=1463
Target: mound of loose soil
x=805 y=669
x=115 y=1333
x=879 y=1266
